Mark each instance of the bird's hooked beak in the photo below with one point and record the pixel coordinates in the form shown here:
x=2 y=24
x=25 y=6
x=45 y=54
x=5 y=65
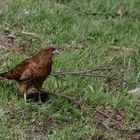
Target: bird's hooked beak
x=56 y=52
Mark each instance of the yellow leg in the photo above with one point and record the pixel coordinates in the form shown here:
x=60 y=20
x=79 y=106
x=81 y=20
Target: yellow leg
x=25 y=98
x=24 y=88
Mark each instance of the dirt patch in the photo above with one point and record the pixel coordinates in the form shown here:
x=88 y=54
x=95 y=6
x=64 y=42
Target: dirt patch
x=108 y=122
x=40 y=127
x=4 y=2
x=44 y=126
x=10 y=41
x=13 y=113
x=113 y=122
x=34 y=127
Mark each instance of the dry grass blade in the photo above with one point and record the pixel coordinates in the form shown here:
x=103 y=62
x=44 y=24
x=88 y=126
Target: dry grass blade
x=29 y=33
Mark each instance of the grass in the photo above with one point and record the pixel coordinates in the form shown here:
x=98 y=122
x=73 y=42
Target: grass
x=88 y=40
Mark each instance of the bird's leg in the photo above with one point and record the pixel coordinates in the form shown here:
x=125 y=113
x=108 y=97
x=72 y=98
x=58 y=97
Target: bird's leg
x=24 y=88
x=38 y=86
x=40 y=96
x=25 y=98
x=39 y=93
x=38 y=89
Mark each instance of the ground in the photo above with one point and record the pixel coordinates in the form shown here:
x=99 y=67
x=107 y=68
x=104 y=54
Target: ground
x=90 y=34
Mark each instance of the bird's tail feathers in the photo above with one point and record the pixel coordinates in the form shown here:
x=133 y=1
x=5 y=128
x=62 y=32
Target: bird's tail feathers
x=3 y=76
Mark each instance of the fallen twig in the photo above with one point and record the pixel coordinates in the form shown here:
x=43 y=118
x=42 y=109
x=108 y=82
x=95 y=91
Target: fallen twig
x=79 y=74
x=86 y=73
x=92 y=70
x=109 y=117
x=110 y=77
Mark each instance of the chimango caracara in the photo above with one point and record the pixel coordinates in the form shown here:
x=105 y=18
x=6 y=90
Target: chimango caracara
x=32 y=71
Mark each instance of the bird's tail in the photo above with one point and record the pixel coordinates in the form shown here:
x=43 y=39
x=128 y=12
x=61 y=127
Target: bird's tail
x=3 y=76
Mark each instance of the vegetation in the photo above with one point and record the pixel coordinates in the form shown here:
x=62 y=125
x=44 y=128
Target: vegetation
x=91 y=33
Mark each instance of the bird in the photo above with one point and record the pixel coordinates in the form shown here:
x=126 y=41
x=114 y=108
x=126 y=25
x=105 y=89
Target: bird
x=33 y=71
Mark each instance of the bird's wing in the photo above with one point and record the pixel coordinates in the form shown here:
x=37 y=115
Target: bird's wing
x=17 y=71
x=27 y=70
x=33 y=71
x=26 y=75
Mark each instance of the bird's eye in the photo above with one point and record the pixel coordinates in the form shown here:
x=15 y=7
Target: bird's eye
x=52 y=50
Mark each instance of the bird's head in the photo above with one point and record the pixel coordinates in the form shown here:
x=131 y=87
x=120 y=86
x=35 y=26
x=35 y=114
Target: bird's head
x=45 y=54
x=50 y=50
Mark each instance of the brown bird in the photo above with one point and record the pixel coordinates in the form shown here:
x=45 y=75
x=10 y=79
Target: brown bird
x=33 y=71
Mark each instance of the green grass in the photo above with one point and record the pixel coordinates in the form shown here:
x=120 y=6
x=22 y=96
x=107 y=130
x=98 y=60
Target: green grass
x=88 y=40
